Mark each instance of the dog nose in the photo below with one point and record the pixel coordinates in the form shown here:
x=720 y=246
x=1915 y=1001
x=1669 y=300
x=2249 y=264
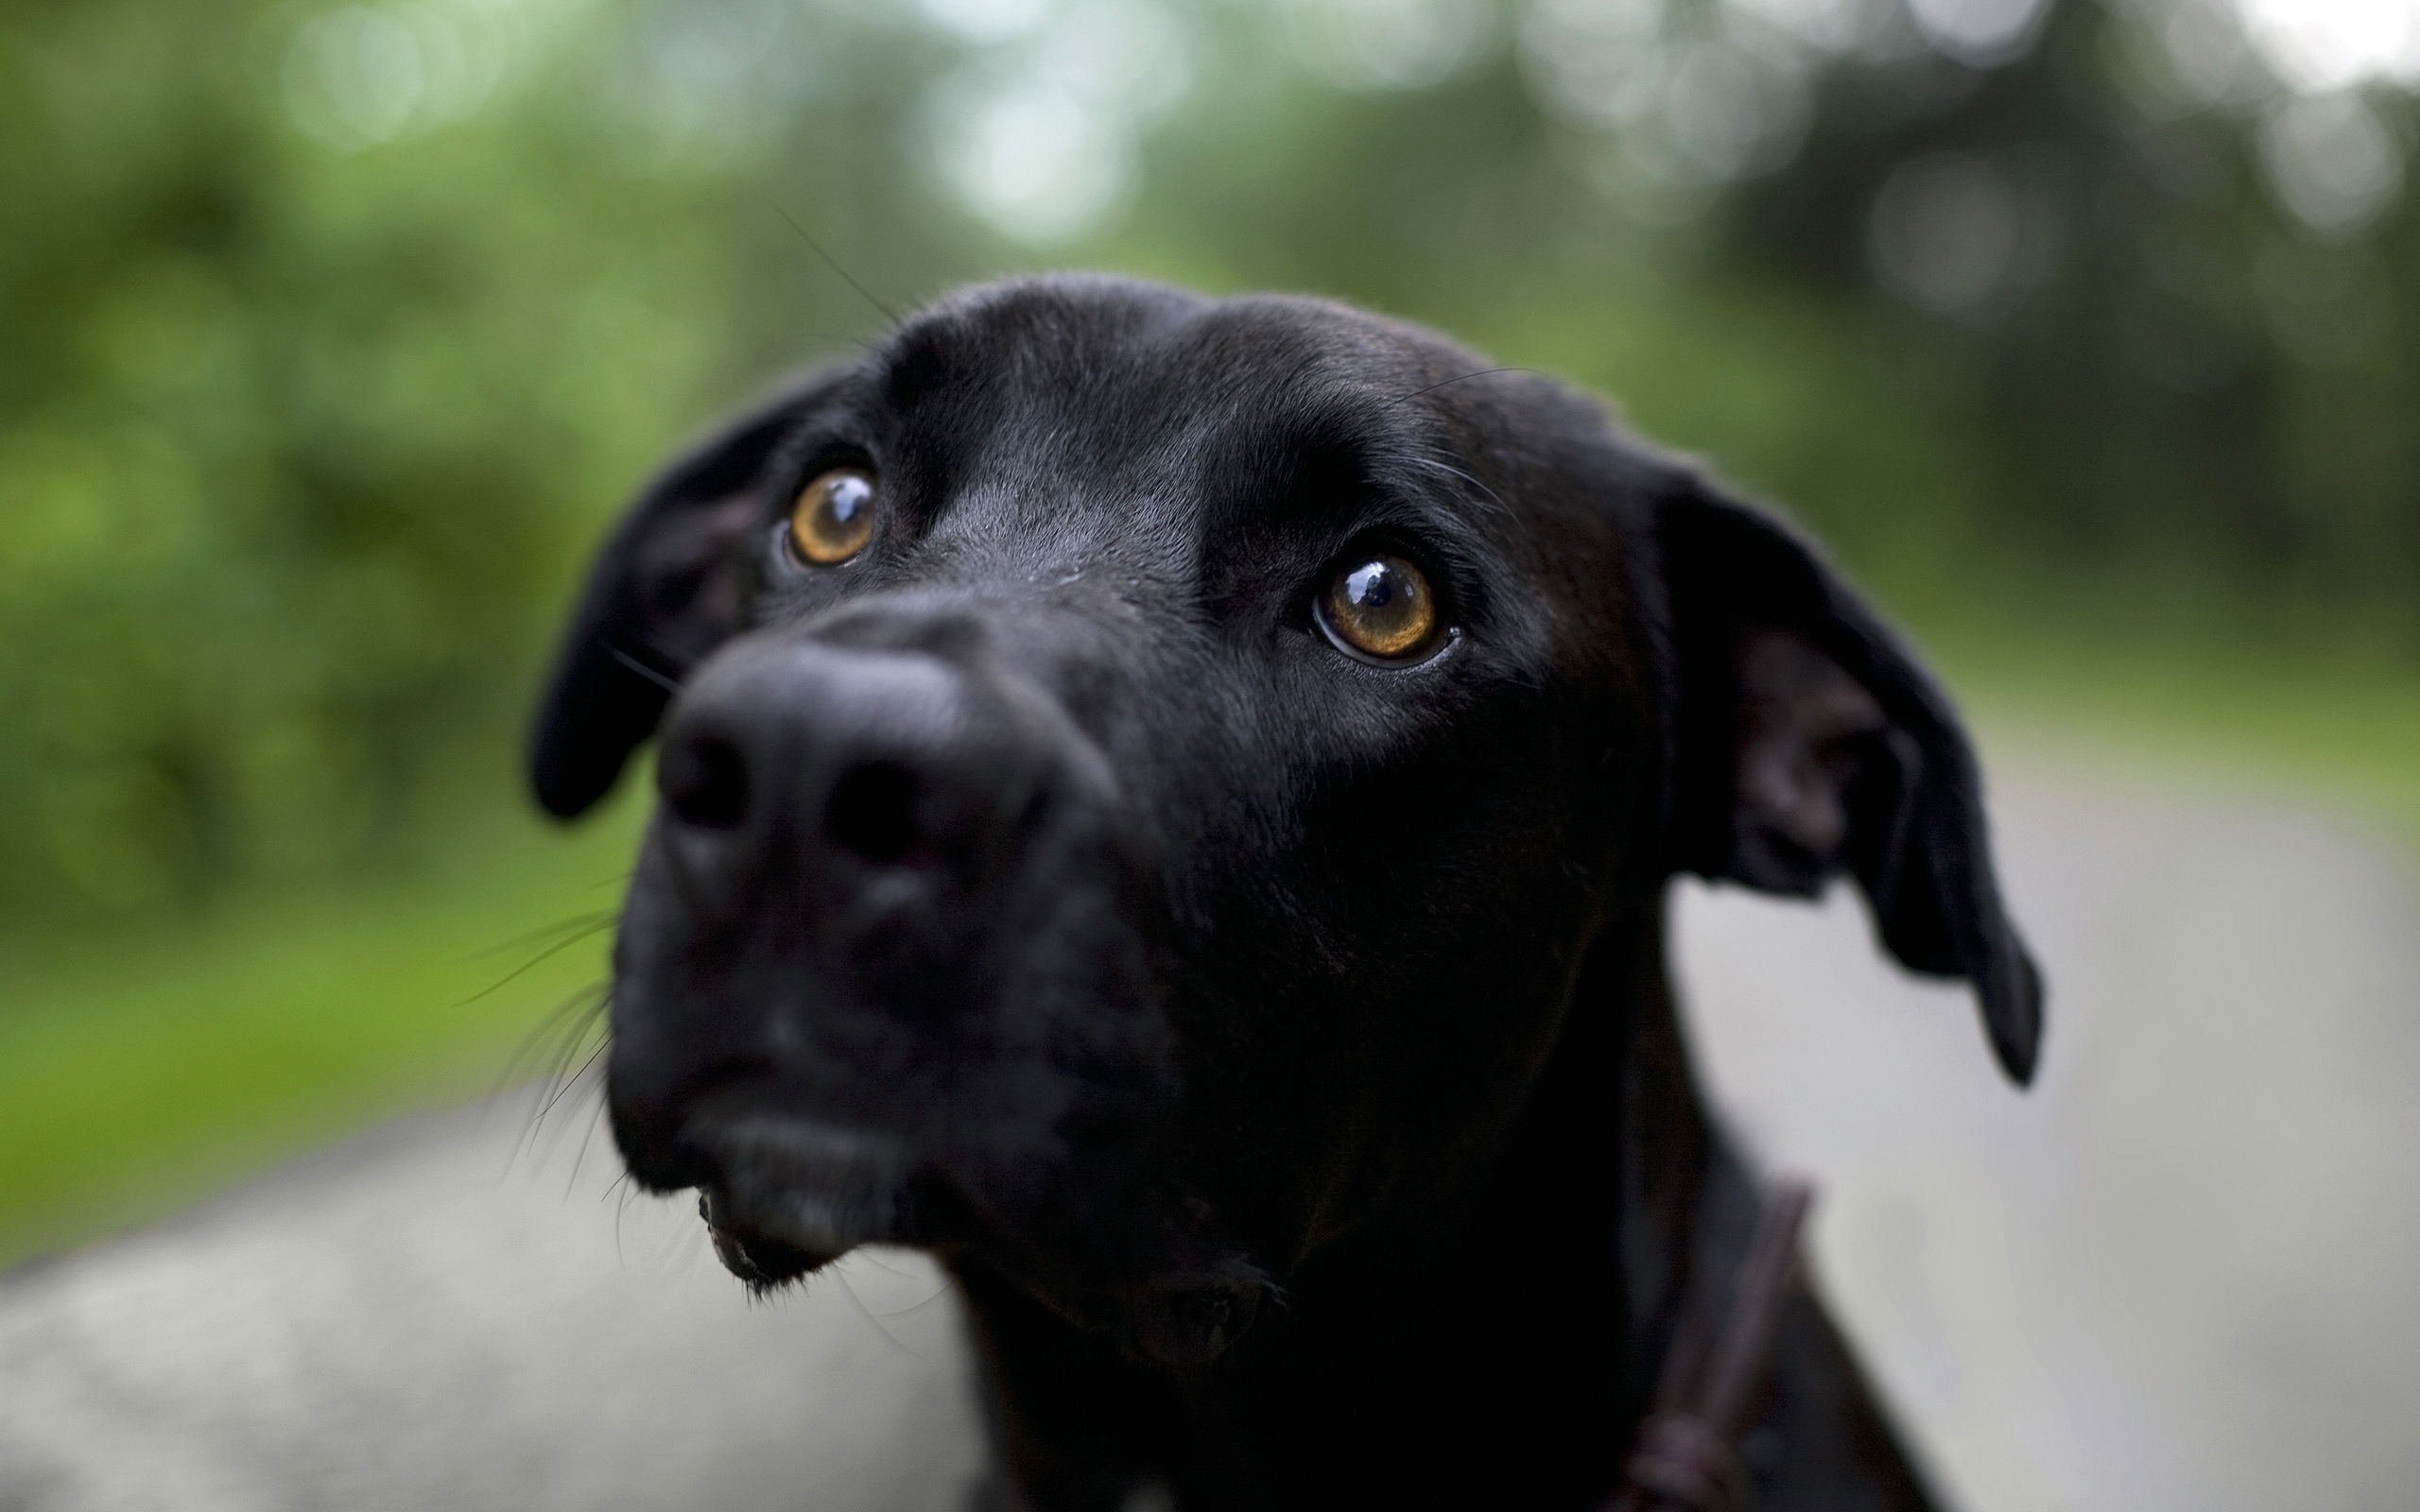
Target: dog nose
x=819 y=753
x=873 y=812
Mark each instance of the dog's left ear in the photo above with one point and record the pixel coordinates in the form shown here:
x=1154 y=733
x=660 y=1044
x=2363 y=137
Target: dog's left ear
x=667 y=588
x=1809 y=741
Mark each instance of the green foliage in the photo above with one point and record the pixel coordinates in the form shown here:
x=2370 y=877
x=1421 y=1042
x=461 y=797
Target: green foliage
x=292 y=442
x=136 y=1079
x=2180 y=378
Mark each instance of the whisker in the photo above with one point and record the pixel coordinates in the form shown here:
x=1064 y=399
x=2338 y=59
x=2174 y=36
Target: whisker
x=603 y=1043
x=1483 y=372
x=1439 y=465
x=570 y=1024
x=578 y=1081
x=549 y=932
x=564 y=1016
x=596 y=1116
x=868 y=1313
x=667 y=685
x=817 y=248
x=593 y=924
x=939 y=1292
x=620 y=1208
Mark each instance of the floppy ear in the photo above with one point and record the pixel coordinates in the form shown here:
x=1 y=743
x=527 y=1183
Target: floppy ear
x=670 y=585
x=1811 y=741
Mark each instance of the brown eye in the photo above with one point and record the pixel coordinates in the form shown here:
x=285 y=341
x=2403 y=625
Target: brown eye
x=833 y=517
x=1381 y=608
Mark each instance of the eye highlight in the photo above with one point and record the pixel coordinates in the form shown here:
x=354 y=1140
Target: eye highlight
x=833 y=517
x=1380 y=608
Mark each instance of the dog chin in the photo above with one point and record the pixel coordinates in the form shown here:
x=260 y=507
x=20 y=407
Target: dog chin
x=791 y=1196
x=765 y=1262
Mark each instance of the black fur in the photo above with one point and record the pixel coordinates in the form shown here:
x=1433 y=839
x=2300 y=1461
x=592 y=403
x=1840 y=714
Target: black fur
x=1275 y=1045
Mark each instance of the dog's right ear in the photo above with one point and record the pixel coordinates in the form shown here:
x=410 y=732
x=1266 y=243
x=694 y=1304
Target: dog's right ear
x=670 y=586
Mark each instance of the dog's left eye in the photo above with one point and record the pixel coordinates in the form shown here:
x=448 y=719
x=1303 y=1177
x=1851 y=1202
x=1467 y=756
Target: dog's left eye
x=833 y=517
x=1380 y=608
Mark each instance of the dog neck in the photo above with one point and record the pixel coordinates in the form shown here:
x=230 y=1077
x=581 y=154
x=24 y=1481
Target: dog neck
x=1613 y=1157
x=1514 y=1344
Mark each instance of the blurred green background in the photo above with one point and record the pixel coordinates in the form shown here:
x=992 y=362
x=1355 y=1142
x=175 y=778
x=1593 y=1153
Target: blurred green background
x=2084 y=330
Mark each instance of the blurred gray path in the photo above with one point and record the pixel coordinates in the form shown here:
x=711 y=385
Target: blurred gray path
x=430 y=1318
x=2183 y=1273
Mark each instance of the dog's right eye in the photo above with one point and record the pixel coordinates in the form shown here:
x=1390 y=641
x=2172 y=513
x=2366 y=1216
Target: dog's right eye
x=833 y=517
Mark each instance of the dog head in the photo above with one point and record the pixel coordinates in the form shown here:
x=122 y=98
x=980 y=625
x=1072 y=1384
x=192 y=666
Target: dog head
x=1139 y=775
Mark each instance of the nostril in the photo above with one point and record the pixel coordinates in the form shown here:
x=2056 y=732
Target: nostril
x=705 y=782
x=873 y=812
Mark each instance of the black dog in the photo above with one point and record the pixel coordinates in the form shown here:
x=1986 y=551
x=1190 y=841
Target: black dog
x=1166 y=804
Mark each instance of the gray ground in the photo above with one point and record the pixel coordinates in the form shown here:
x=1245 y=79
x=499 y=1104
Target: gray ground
x=2184 y=1273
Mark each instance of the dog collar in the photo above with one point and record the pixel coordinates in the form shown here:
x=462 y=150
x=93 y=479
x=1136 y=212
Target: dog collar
x=1685 y=1459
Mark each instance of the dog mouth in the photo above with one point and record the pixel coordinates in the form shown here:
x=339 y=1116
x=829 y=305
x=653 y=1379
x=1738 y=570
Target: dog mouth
x=758 y=1259
x=788 y=1195
x=791 y=1196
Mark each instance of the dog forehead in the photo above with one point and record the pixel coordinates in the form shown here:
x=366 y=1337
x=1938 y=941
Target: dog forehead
x=1060 y=325
x=1096 y=406
x=1108 y=369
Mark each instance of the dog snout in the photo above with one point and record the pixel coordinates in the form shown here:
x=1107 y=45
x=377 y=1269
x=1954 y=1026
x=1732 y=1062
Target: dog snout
x=889 y=938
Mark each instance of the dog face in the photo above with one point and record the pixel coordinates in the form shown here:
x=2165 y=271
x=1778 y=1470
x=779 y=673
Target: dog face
x=1139 y=776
